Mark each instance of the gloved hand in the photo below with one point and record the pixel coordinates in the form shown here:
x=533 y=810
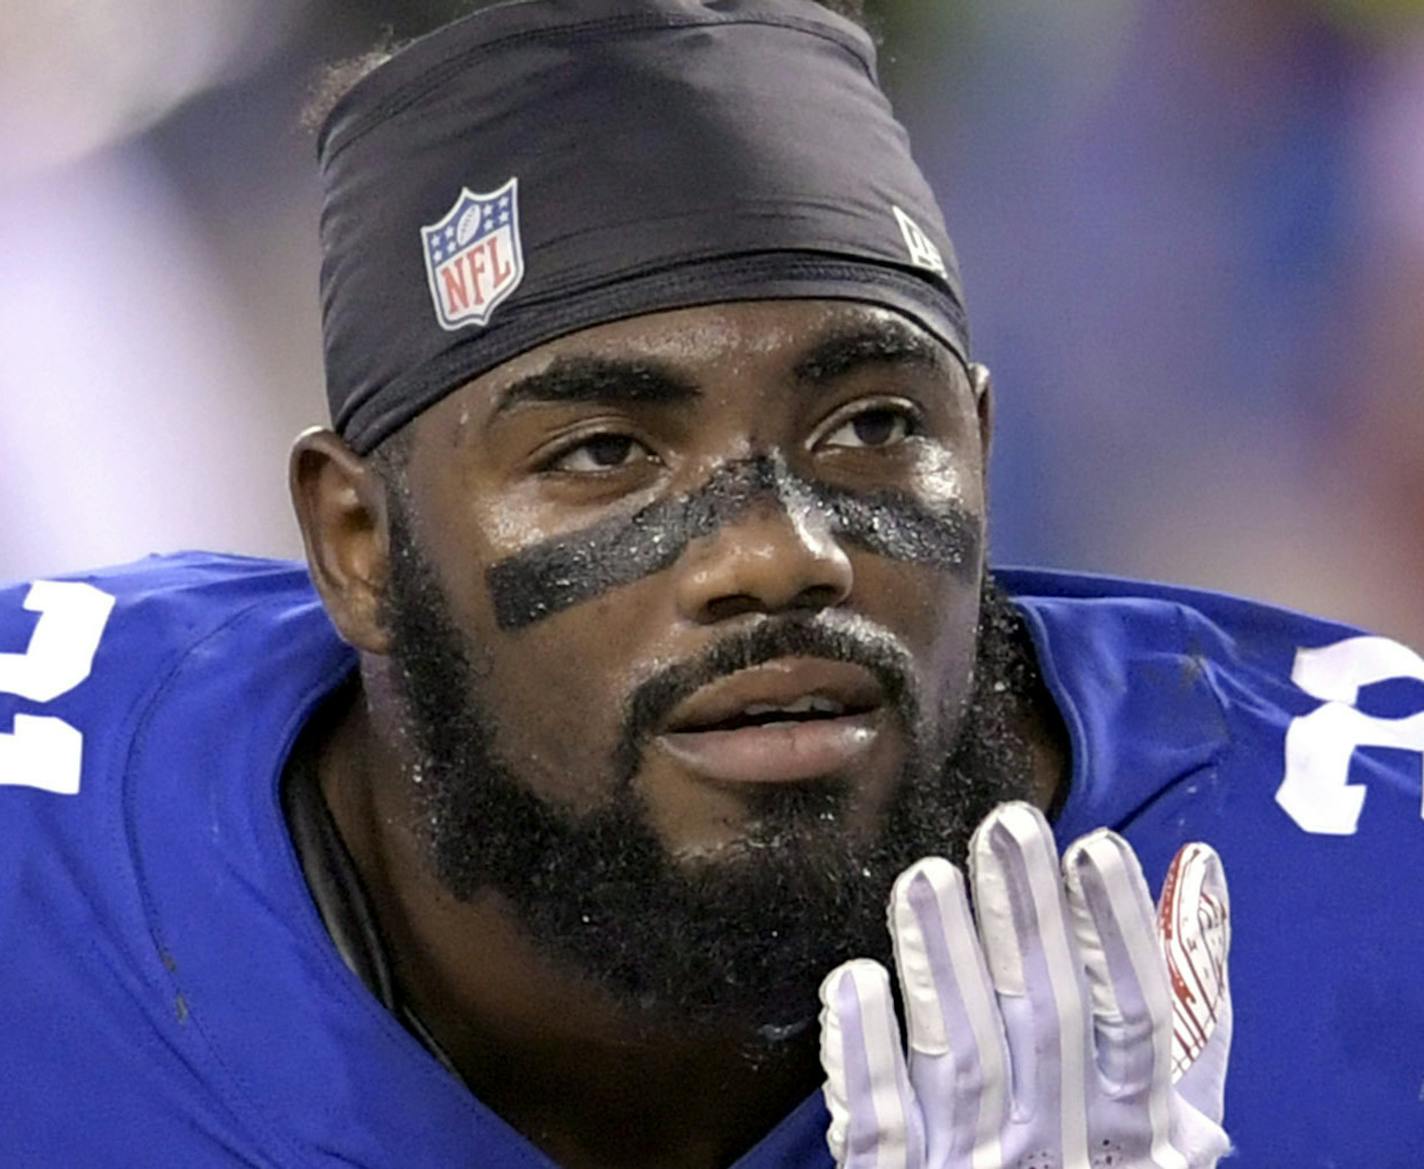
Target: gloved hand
x=1070 y=1030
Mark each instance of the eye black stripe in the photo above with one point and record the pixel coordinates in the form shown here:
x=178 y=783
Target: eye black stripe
x=564 y=571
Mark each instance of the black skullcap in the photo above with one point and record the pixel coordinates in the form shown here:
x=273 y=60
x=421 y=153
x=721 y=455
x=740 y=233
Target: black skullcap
x=544 y=166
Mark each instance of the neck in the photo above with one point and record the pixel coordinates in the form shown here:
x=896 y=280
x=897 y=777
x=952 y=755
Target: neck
x=589 y=1083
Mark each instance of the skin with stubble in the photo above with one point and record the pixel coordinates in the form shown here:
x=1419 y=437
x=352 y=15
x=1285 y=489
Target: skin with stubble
x=611 y=865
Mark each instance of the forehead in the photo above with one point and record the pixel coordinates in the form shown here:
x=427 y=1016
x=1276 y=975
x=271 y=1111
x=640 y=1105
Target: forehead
x=705 y=343
x=704 y=335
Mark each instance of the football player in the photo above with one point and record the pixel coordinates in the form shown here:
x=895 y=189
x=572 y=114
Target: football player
x=646 y=651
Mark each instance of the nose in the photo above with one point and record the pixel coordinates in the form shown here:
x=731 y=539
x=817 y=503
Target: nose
x=767 y=560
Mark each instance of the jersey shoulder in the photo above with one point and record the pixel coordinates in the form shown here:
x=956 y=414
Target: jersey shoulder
x=1293 y=746
x=1157 y=682
x=121 y=690
x=1147 y=612
x=174 y=596
x=86 y=649
x=148 y=713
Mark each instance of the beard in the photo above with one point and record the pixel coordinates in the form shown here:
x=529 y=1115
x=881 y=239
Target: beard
x=740 y=939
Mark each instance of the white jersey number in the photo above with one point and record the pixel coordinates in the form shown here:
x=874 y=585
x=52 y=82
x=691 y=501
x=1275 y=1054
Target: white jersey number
x=43 y=751
x=1316 y=793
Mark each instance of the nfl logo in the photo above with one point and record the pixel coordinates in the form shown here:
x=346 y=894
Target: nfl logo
x=473 y=256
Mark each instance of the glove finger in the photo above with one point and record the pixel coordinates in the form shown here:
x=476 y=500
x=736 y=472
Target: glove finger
x=875 y=1122
x=958 y=1058
x=1194 y=922
x=1115 y=926
x=1036 y=971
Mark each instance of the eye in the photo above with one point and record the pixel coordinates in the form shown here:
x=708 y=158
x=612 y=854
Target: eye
x=601 y=452
x=878 y=427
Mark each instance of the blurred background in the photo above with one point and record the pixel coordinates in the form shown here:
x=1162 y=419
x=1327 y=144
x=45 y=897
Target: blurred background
x=1192 y=233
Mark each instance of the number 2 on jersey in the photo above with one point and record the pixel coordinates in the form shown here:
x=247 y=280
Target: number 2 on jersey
x=43 y=751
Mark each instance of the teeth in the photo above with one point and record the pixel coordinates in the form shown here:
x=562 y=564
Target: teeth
x=811 y=704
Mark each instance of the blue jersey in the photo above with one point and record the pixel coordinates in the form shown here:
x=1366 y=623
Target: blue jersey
x=169 y=995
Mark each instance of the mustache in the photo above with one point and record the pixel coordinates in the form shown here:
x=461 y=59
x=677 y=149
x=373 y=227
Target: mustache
x=555 y=574
x=829 y=634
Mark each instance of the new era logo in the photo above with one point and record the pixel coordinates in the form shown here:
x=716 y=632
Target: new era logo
x=923 y=253
x=473 y=256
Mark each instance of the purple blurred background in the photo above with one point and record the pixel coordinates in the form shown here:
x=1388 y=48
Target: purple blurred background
x=1193 y=237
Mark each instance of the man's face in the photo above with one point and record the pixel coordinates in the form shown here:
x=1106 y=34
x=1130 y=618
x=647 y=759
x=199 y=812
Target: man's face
x=684 y=612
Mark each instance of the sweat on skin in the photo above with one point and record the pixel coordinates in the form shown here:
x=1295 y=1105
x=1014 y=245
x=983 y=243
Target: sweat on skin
x=551 y=698
x=555 y=574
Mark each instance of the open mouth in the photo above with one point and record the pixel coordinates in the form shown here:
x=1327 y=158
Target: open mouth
x=787 y=720
x=811 y=708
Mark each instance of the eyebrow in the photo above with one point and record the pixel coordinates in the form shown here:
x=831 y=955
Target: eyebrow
x=616 y=381
x=874 y=343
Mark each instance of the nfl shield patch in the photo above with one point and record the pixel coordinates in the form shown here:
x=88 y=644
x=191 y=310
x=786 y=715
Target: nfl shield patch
x=473 y=256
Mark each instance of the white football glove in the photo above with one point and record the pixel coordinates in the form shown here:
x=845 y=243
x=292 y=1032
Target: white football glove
x=1072 y=1029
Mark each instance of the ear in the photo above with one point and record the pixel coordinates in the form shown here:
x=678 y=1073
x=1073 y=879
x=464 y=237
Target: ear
x=341 y=506
x=982 y=385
